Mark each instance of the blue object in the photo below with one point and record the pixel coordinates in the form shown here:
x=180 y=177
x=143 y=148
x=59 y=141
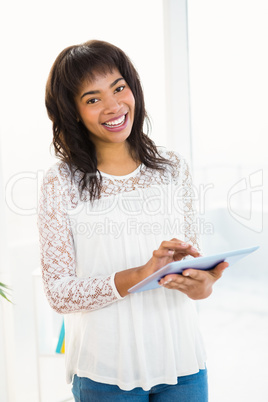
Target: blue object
x=61 y=339
x=202 y=263
x=189 y=388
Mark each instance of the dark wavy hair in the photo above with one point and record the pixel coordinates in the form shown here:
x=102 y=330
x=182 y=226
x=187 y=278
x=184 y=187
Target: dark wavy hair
x=71 y=139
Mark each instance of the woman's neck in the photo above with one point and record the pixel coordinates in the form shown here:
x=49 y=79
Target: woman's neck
x=116 y=159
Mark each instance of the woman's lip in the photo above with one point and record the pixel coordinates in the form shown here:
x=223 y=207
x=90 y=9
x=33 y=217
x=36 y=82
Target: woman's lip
x=117 y=128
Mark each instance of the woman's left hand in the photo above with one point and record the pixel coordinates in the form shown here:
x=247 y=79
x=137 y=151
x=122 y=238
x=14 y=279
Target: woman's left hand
x=196 y=284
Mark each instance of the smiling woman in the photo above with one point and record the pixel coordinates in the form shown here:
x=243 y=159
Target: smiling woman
x=111 y=174
x=86 y=111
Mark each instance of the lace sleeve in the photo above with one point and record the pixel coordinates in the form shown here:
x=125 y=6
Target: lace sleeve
x=66 y=293
x=188 y=200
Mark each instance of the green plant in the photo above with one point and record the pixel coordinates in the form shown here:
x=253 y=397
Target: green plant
x=3 y=288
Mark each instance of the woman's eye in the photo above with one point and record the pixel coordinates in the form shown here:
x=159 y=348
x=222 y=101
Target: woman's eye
x=91 y=101
x=119 y=89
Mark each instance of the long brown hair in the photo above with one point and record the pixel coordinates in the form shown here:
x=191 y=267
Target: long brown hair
x=71 y=138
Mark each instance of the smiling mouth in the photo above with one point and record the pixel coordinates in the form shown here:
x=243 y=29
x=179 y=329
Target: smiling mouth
x=116 y=123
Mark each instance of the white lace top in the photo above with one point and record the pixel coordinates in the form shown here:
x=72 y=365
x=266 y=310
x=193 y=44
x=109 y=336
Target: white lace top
x=142 y=339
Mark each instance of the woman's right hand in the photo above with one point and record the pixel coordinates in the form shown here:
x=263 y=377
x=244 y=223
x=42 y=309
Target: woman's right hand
x=169 y=251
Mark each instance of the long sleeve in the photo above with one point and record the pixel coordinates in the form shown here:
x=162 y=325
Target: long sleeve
x=66 y=293
x=188 y=205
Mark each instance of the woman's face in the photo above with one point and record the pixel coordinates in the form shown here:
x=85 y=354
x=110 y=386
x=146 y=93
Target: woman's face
x=106 y=107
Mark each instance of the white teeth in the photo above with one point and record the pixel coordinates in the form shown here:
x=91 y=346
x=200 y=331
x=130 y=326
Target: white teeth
x=117 y=122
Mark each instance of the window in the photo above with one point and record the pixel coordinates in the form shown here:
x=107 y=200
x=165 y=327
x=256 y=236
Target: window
x=229 y=102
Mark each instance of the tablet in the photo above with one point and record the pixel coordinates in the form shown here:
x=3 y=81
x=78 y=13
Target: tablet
x=203 y=263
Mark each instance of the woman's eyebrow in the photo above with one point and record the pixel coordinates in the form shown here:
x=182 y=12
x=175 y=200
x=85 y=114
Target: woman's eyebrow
x=97 y=91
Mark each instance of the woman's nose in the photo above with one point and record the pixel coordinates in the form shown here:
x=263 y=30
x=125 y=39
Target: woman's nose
x=111 y=105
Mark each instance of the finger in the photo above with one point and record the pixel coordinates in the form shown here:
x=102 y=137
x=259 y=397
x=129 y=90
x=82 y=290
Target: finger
x=163 y=252
x=170 y=278
x=199 y=274
x=193 y=273
x=218 y=270
x=180 y=248
x=174 y=244
x=189 y=250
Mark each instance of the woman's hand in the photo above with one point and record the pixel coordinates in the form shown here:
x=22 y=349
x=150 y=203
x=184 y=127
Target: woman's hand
x=169 y=251
x=196 y=284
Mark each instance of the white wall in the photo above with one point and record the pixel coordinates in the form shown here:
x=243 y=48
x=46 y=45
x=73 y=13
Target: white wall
x=229 y=87
x=31 y=36
x=229 y=102
x=229 y=81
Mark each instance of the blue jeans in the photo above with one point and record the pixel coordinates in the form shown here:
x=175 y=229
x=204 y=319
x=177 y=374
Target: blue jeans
x=189 y=388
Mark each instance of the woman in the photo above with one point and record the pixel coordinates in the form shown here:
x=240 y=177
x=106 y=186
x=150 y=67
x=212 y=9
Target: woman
x=114 y=210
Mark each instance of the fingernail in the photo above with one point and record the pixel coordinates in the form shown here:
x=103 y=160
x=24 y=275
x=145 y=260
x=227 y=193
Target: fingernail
x=186 y=273
x=167 y=281
x=184 y=244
